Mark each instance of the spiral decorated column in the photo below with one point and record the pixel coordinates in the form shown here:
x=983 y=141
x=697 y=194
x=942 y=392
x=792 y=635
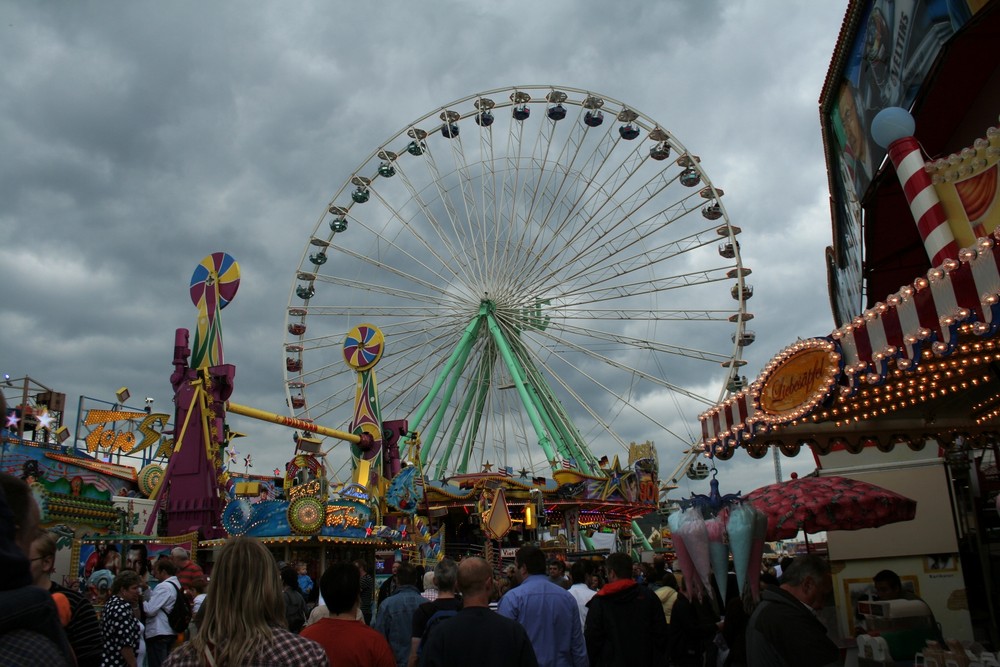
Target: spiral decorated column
x=893 y=129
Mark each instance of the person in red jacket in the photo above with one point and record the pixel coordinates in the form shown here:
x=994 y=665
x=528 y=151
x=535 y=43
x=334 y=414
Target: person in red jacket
x=346 y=640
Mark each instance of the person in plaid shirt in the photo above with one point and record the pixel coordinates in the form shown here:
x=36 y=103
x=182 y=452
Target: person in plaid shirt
x=244 y=620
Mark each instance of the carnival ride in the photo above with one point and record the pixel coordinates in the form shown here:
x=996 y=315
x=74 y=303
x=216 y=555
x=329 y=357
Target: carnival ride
x=546 y=280
x=554 y=273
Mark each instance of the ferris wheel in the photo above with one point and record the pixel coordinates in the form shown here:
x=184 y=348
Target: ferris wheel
x=554 y=275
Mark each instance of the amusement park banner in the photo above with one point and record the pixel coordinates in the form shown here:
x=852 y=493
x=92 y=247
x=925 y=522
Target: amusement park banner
x=892 y=50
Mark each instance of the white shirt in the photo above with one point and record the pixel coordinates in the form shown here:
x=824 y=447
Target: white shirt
x=582 y=593
x=160 y=603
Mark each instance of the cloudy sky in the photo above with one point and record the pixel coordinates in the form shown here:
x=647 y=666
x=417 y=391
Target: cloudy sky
x=137 y=138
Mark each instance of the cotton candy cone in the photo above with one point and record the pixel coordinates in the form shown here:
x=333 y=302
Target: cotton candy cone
x=756 y=553
x=718 y=551
x=696 y=541
x=740 y=530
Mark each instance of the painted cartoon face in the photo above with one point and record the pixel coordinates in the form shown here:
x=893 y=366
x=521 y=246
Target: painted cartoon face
x=135 y=561
x=851 y=119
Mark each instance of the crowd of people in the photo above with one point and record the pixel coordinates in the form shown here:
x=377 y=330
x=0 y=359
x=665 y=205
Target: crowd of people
x=254 y=611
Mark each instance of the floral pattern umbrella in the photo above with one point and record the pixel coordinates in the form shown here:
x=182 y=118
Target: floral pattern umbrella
x=815 y=504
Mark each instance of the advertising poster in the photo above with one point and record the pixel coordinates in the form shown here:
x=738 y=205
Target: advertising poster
x=99 y=561
x=893 y=49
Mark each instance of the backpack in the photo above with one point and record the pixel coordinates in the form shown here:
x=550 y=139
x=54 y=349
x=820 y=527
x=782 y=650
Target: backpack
x=436 y=618
x=180 y=616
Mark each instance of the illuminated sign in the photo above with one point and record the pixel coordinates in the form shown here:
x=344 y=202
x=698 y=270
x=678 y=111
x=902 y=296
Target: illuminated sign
x=112 y=440
x=344 y=516
x=797 y=379
x=308 y=489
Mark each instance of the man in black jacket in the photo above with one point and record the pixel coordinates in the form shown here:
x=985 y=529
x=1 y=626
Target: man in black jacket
x=783 y=629
x=625 y=621
x=476 y=636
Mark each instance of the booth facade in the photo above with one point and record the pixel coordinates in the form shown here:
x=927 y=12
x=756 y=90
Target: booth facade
x=913 y=402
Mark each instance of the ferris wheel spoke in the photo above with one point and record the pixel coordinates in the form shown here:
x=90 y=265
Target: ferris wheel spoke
x=377 y=312
x=473 y=216
x=611 y=259
x=574 y=312
x=442 y=262
x=621 y=340
x=391 y=290
x=461 y=232
x=440 y=234
x=490 y=205
x=591 y=294
x=621 y=398
x=623 y=231
x=538 y=164
x=608 y=361
x=580 y=208
x=599 y=194
x=633 y=225
x=566 y=162
x=643 y=195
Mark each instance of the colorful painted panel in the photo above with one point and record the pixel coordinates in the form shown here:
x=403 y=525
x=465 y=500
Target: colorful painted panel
x=97 y=562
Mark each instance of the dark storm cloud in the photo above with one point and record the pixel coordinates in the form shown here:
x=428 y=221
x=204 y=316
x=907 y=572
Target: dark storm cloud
x=139 y=138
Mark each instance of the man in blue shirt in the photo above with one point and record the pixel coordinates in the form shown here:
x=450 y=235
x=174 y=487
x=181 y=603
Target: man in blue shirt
x=395 y=616
x=548 y=613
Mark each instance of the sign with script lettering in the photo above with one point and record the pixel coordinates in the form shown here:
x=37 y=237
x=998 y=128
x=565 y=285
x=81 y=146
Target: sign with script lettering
x=799 y=381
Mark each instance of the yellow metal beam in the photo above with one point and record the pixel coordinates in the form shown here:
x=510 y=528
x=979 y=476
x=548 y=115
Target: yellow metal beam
x=292 y=422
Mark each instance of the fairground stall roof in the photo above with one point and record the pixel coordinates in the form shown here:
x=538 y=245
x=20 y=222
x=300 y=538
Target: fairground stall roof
x=909 y=121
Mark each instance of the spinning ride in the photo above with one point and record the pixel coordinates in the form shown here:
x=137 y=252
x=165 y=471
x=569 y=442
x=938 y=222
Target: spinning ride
x=555 y=277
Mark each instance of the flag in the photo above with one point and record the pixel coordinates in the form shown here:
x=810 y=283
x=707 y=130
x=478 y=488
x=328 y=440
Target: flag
x=568 y=463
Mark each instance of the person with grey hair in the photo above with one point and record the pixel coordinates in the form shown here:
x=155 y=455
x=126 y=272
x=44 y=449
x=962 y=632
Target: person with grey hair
x=784 y=629
x=430 y=614
x=187 y=569
x=430 y=592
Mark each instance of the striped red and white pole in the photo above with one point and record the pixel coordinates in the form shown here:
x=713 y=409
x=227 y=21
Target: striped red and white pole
x=893 y=129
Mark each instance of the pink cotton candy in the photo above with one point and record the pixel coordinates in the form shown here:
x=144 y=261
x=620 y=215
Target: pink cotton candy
x=688 y=569
x=695 y=536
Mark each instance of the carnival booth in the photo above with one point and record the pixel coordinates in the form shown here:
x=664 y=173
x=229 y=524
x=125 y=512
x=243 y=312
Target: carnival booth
x=903 y=392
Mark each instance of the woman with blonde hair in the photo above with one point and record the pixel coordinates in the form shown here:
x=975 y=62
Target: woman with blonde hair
x=244 y=618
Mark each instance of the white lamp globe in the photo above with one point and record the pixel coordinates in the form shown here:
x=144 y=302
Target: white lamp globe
x=891 y=124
